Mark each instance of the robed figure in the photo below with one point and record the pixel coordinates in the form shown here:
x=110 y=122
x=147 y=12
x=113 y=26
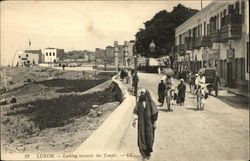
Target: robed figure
x=161 y=92
x=181 y=92
x=146 y=113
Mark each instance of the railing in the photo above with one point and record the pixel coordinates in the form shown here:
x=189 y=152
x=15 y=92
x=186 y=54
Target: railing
x=216 y=36
x=206 y=41
x=197 y=42
x=189 y=43
x=231 y=27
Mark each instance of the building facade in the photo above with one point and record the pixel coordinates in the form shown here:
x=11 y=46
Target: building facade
x=28 y=57
x=124 y=53
x=216 y=37
x=52 y=55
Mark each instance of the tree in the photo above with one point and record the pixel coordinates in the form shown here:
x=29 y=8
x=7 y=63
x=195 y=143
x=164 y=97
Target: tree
x=161 y=29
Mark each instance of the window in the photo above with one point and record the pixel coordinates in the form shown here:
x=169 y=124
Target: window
x=205 y=29
x=243 y=11
x=19 y=56
x=242 y=68
x=46 y=54
x=49 y=54
x=224 y=12
x=53 y=54
x=27 y=55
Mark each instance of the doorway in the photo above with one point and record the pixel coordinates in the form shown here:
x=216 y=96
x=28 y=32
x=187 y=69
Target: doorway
x=229 y=74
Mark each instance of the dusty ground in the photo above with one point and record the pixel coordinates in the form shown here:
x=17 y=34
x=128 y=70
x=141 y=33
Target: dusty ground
x=50 y=114
x=219 y=133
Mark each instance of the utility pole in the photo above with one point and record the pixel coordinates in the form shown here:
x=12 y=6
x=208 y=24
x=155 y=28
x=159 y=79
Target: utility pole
x=201 y=4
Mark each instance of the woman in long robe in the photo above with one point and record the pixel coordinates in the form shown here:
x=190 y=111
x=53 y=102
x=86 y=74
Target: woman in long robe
x=147 y=113
x=181 y=93
x=161 y=92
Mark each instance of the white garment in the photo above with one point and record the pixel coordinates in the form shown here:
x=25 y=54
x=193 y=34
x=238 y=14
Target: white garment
x=200 y=80
x=164 y=77
x=159 y=70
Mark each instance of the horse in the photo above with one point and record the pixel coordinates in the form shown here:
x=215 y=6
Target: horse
x=170 y=98
x=201 y=92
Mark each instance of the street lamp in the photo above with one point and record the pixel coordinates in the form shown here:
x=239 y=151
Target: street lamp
x=152 y=46
x=152 y=50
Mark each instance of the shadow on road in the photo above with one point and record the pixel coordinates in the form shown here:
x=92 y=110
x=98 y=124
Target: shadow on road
x=192 y=108
x=235 y=101
x=165 y=110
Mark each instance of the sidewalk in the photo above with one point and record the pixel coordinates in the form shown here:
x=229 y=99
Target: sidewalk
x=239 y=92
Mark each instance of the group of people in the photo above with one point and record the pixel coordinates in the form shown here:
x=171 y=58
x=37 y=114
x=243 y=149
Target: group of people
x=167 y=84
x=129 y=77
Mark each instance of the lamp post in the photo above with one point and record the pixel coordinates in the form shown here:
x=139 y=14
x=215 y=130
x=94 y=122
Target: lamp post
x=152 y=50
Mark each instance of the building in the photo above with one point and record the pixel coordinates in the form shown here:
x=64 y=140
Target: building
x=100 y=55
x=110 y=55
x=217 y=37
x=52 y=55
x=28 y=57
x=124 y=53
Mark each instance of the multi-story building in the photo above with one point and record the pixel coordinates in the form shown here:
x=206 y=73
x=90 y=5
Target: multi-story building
x=125 y=53
x=28 y=57
x=52 y=55
x=217 y=37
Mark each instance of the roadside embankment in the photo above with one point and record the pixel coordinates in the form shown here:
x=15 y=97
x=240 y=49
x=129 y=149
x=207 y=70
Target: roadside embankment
x=108 y=136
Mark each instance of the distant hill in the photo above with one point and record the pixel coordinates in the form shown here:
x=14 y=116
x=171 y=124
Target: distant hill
x=161 y=29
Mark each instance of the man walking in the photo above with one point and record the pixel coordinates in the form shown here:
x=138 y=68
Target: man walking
x=135 y=81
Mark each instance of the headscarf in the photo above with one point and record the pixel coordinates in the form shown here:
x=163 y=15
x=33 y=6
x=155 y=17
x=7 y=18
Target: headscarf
x=151 y=103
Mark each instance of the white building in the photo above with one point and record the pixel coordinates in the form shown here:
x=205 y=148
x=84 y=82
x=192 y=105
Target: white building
x=218 y=37
x=51 y=55
x=27 y=57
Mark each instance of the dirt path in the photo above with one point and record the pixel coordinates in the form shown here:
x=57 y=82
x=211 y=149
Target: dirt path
x=220 y=132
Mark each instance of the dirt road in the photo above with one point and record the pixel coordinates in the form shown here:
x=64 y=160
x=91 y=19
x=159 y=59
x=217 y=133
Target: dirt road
x=220 y=132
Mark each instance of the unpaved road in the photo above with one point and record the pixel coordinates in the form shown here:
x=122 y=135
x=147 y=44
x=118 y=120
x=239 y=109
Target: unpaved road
x=220 y=132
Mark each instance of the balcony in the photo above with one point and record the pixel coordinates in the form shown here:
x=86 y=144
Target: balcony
x=180 y=48
x=198 y=42
x=206 y=41
x=216 y=36
x=189 y=43
x=231 y=27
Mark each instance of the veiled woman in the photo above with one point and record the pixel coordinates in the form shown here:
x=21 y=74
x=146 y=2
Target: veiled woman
x=146 y=113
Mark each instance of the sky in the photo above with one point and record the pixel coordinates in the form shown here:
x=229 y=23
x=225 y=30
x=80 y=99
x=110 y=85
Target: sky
x=75 y=25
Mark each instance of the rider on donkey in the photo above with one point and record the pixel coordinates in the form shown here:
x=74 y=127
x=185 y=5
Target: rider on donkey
x=200 y=81
x=169 y=87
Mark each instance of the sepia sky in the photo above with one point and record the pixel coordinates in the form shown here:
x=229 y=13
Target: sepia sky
x=75 y=25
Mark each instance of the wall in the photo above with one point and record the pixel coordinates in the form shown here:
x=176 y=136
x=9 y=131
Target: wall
x=48 y=58
x=107 y=138
x=31 y=57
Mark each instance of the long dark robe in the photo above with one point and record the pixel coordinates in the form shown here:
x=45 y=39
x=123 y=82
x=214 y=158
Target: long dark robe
x=146 y=118
x=161 y=92
x=181 y=93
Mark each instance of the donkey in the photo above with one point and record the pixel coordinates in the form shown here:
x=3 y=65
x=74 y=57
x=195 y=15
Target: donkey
x=201 y=92
x=170 y=98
